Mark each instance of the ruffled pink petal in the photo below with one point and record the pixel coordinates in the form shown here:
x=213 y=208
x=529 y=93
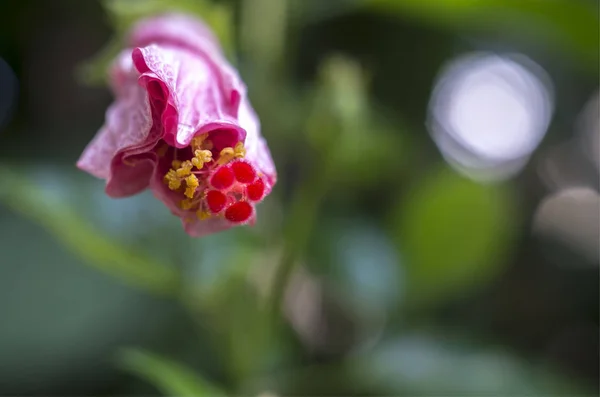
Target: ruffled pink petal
x=185 y=92
x=181 y=31
x=126 y=132
x=131 y=176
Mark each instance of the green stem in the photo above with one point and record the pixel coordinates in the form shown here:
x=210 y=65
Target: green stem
x=302 y=218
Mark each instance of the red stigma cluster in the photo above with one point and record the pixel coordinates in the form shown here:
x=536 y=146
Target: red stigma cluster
x=214 y=181
x=233 y=189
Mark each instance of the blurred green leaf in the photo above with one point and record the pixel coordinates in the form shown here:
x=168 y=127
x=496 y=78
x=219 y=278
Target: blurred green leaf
x=347 y=85
x=372 y=155
x=83 y=240
x=423 y=364
x=572 y=24
x=325 y=379
x=453 y=233
x=220 y=272
x=250 y=341
x=342 y=127
x=245 y=331
x=171 y=378
x=124 y=13
x=339 y=112
x=263 y=31
x=232 y=298
x=53 y=306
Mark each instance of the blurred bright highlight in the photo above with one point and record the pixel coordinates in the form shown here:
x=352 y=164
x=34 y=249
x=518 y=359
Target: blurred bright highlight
x=489 y=112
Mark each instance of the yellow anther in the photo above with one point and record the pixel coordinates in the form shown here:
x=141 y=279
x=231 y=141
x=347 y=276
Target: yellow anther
x=202 y=215
x=176 y=164
x=227 y=152
x=226 y=155
x=197 y=163
x=186 y=204
x=174 y=184
x=192 y=183
x=202 y=156
x=161 y=151
x=239 y=150
x=172 y=180
x=185 y=169
x=189 y=192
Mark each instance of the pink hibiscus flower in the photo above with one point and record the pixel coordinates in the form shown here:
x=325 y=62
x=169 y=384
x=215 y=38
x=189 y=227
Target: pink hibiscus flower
x=182 y=126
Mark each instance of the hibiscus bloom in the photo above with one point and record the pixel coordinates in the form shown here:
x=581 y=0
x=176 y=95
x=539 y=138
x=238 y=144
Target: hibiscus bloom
x=181 y=125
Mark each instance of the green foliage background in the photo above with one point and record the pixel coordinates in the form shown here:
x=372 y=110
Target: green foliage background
x=375 y=269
